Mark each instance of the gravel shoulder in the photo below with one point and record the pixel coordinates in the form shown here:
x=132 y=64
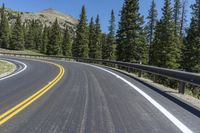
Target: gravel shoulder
x=6 y=68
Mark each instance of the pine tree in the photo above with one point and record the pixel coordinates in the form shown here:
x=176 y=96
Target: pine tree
x=191 y=52
x=152 y=17
x=80 y=46
x=183 y=18
x=105 y=49
x=29 y=40
x=25 y=32
x=131 y=41
x=112 y=24
x=98 y=46
x=177 y=15
x=92 y=47
x=151 y=25
x=121 y=35
x=45 y=40
x=54 y=45
x=168 y=53
x=38 y=35
x=4 y=29
x=111 y=40
x=154 y=51
x=67 y=44
x=17 y=36
x=187 y=63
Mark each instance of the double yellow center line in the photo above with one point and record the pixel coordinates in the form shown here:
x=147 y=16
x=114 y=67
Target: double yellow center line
x=18 y=108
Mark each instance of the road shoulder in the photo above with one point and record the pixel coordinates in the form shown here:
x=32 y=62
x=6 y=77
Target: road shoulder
x=172 y=92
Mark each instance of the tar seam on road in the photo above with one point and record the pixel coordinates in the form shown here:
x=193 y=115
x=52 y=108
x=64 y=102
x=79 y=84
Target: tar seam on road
x=14 y=74
x=164 y=111
x=21 y=106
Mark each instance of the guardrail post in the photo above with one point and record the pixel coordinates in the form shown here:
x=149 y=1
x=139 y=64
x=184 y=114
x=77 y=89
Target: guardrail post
x=181 y=87
x=115 y=65
x=155 y=78
x=140 y=74
x=128 y=69
x=118 y=67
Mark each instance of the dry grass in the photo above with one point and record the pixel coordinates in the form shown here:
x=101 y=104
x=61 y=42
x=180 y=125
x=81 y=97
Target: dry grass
x=20 y=52
x=6 y=68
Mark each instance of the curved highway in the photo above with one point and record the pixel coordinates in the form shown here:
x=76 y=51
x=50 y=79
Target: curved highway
x=90 y=99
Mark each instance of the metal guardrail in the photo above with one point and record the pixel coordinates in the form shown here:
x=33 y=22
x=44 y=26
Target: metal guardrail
x=181 y=76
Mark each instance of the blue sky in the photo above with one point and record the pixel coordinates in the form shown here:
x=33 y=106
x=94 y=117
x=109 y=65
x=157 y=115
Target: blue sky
x=93 y=7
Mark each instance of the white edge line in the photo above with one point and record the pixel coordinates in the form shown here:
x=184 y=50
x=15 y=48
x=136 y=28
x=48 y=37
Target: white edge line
x=164 y=111
x=9 y=76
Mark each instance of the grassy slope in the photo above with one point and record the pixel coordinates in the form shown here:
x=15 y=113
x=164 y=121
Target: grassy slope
x=6 y=68
x=20 y=52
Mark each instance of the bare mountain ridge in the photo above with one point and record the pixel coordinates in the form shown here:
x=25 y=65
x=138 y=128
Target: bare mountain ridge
x=46 y=17
x=52 y=14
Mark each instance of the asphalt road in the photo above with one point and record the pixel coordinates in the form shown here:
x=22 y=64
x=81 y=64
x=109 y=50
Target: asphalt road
x=89 y=100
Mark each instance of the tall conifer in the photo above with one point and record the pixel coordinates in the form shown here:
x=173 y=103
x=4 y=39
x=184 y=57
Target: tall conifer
x=67 y=43
x=4 y=29
x=191 y=50
x=98 y=45
x=131 y=40
x=92 y=47
x=168 y=53
x=177 y=16
x=111 y=40
x=17 y=36
x=29 y=40
x=152 y=19
x=80 y=46
x=45 y=40
x=54 y=45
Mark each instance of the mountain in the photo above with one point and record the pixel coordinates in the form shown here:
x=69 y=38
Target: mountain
x=46 y=17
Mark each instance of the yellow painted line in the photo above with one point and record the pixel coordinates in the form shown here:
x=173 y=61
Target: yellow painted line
x=16 y=109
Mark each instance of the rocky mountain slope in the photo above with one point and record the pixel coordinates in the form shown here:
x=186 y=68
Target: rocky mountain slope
x=46 y=17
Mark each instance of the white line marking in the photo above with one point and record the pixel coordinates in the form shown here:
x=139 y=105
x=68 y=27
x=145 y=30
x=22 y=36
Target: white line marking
x=164 y=111
x=9 y=76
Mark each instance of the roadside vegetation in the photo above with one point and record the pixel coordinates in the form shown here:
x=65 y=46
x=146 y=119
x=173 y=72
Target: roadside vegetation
x=31 y=52
x=6 y=68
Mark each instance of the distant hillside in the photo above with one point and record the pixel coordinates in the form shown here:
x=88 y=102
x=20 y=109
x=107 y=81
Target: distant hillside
x=46 y=16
